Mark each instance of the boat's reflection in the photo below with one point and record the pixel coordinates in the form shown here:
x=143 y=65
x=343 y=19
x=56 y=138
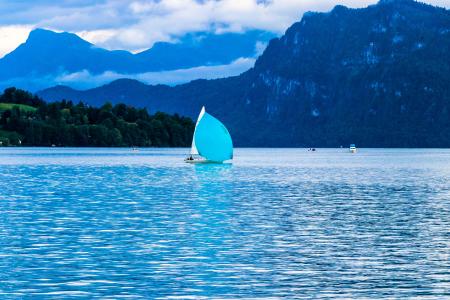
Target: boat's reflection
x=212 y=167
x=210 y=179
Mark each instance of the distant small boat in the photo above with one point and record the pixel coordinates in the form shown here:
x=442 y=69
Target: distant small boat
x=353 y=148
x=211 y=142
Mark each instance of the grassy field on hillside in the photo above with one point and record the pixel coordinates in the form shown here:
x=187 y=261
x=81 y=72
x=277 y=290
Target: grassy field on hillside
x=22 y=107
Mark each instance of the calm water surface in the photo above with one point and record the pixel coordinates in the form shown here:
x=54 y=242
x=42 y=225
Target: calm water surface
x=112 y=224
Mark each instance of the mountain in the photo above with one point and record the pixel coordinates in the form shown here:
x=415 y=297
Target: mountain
x=46 y=52
x=377 y=77
x=48 y=57
x=202 y=49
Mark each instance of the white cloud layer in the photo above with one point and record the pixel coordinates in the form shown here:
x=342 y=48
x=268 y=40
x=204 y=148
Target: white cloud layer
x=12 y=36
x=135 y=25
x=85 y=79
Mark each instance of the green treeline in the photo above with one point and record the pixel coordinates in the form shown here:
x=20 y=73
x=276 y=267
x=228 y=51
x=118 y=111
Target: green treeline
x=27 y=120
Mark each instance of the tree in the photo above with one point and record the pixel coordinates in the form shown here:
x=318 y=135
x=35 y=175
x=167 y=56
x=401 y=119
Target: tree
x=65 y=124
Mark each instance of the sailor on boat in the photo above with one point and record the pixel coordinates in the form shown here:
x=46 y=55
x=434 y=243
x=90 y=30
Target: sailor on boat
x=211 y=141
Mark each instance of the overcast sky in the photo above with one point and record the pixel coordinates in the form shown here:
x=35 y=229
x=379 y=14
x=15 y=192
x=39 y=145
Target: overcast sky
x=136 y=25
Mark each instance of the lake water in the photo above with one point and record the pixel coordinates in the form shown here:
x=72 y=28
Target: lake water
x=286 y=223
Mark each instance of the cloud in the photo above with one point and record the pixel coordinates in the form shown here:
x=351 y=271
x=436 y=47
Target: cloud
x=12 y=36
x=167 y=19
x=85 y=79
x=136 y=25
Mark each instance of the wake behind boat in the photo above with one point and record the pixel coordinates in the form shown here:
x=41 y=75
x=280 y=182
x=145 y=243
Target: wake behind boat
x=211 y=142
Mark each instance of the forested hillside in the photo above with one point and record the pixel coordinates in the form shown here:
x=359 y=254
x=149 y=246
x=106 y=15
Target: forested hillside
x=27 y=120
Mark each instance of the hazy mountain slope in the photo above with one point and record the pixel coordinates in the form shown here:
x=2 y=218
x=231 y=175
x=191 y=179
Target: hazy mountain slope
x=48 y=57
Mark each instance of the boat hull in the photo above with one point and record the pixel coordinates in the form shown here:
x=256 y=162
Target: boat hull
x=202 y=161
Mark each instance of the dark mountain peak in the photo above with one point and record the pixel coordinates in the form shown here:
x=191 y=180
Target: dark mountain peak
x=397 y=5
x=42 y=36
x=339 y=8
x=407 y=6
x=382 y=2
x=125 y=82
x=63 y=88
x=40 y=32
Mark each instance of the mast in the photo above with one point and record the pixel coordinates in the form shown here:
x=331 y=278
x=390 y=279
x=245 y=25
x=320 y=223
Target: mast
x=194 y=150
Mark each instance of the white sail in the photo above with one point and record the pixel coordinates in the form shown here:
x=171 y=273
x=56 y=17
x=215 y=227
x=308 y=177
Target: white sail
x=194 y=150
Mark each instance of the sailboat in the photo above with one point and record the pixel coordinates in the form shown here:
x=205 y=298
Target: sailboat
x=211 y=141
